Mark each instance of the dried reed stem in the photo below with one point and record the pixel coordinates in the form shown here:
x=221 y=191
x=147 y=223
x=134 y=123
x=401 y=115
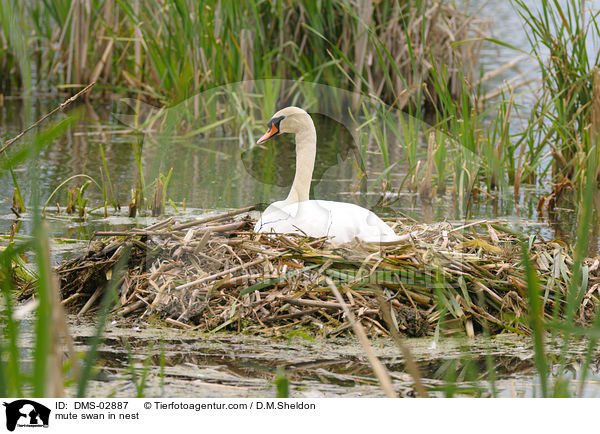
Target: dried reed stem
x=379 y=369
x=43 y=118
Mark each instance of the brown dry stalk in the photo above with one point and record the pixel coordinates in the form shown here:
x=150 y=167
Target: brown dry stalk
x=213 y=218
x=322 y=304
x=222 y=273
x=425 y=190
x=43 y=118
x=379 y=369
x=411 y=365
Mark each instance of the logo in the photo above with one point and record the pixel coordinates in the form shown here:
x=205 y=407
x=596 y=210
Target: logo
x=26 y=413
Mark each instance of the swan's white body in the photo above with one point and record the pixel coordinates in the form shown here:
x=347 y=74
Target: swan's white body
x=341 y=222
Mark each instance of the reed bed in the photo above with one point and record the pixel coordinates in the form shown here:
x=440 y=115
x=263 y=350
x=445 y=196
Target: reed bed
x=168 y=50
x=562 y=37
x=216 y=273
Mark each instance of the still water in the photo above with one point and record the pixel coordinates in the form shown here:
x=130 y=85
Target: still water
x=188 y=363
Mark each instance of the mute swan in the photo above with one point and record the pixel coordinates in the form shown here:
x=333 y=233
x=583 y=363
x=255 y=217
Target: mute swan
x=342 y=222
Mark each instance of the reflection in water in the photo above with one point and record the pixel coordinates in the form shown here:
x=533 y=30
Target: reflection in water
x=233 y=365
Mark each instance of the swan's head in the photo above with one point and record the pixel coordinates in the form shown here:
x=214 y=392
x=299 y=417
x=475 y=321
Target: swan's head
x=287 y=120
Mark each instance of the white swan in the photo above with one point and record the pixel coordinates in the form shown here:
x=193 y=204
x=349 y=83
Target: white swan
x=342 y=222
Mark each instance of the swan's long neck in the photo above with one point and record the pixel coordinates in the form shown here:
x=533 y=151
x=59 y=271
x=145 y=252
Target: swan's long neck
x=306 y=150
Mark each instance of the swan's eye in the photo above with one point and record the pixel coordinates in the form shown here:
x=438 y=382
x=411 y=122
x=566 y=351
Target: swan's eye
x=274 y=122
x=273 y=130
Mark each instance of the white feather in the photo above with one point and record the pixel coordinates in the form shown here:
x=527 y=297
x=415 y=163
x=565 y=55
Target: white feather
x=342 y=222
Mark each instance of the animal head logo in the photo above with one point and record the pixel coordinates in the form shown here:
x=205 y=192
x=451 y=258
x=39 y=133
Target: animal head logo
x=25 y=412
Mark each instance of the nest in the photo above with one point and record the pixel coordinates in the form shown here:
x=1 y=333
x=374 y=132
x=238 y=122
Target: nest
x=216 y=273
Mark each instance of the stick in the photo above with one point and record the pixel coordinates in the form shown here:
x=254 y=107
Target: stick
x=219 y=228
x=222 y=273
x=130 y=308
x=213 y=218
x=157 y=225
x=378 y=368
x=43 y=118
x=127 y=233
x=322 y=304
x=91 y=301
x=178 y=323
x=291 y=315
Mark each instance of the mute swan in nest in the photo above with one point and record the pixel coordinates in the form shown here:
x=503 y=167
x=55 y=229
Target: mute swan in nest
x=341 y=222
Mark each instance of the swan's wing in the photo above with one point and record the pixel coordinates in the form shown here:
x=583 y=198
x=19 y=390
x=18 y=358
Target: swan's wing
x=304 y=218
x=342 y=222
x=350 y=221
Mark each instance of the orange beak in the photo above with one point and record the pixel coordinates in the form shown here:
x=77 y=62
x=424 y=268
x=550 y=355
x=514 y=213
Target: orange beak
x=272 y=131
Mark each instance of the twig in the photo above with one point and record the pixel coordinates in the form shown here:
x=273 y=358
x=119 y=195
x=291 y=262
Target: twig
x=156 y=225
x=72 y=297
x=43 y=118
x=322 y=304
x=178 y=323
x=290 y=315
x=213 y=218
x=222 y=273
x=91 y=301
x=130 y=308
x=219 y=228
x=127 y=233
